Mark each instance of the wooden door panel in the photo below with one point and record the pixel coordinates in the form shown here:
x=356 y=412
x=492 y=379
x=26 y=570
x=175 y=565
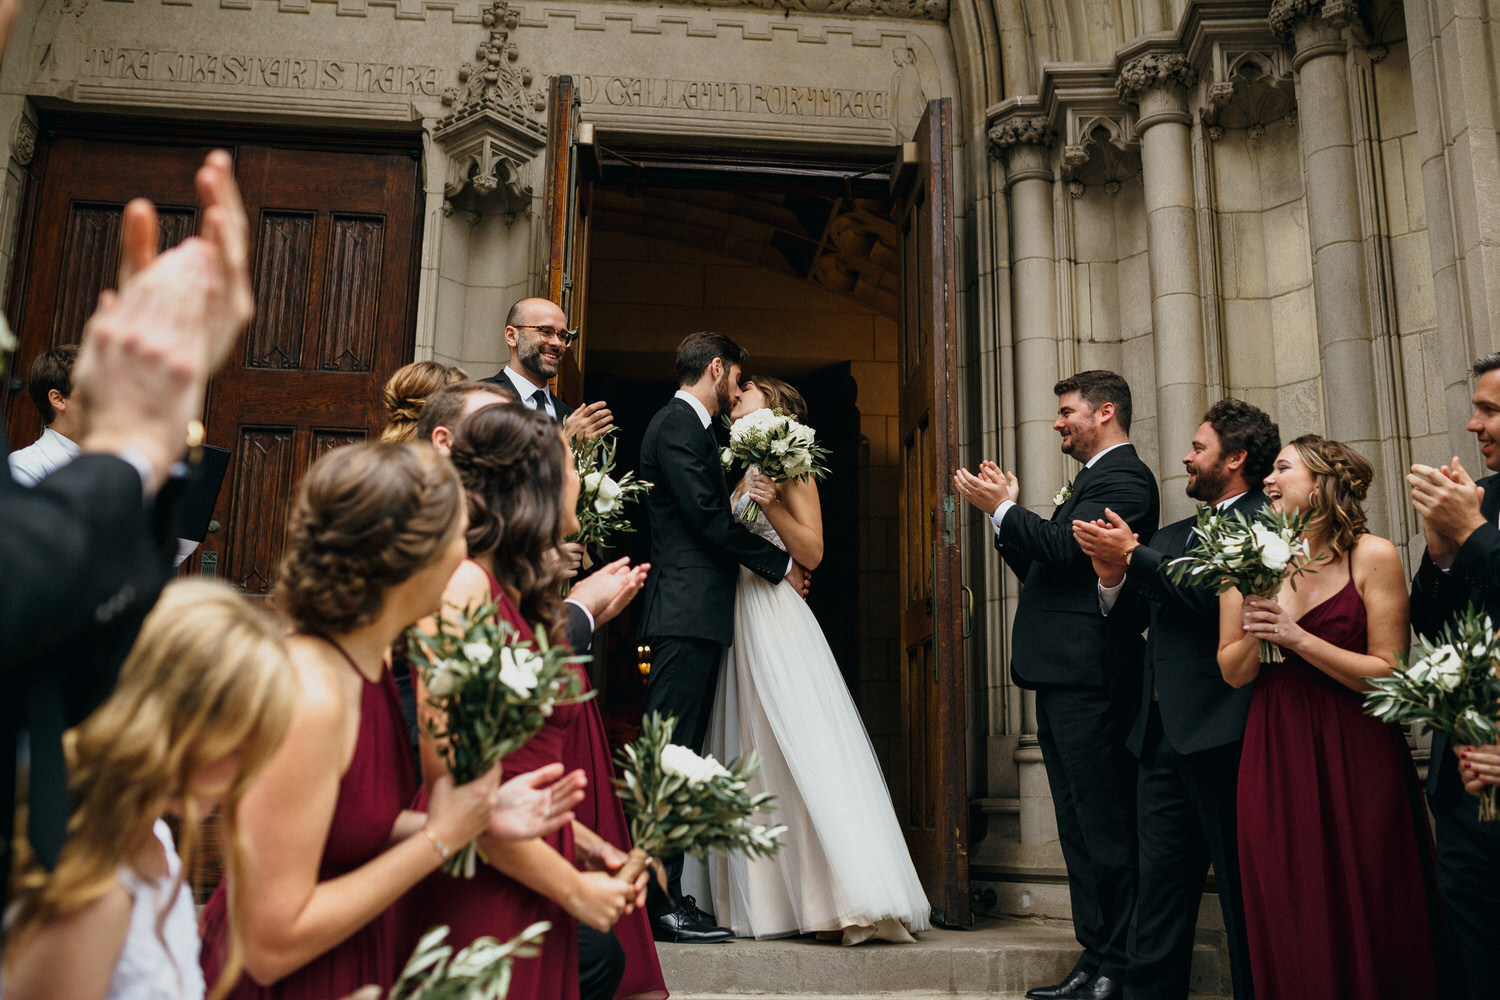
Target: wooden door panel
x=566 y=205
x=932 y=684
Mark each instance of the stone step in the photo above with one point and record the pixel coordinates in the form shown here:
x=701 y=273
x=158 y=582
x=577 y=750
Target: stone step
x=999 y=959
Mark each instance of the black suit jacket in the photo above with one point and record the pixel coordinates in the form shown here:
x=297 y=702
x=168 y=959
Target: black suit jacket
x=1437 y=598
x=563 y=409
x=85 y=556
x=697 y=546
x=1059 y=635
x=1198 y=709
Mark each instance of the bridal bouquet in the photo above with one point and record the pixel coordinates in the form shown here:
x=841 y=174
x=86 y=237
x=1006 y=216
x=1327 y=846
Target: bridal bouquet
x=678 y=802
x=494 y=690
x=1449 y=685
x=480 y=972
x=779 y=446
x=1250 y=554
x=602 y=497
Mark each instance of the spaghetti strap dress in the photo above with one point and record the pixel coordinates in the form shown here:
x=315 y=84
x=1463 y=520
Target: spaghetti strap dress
x=1335 y=853
x=377 y=786
x=494 y=905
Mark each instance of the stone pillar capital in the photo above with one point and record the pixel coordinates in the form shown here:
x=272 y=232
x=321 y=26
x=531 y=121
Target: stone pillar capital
x=1314 y=27
x=1022 y=144
x=1157 y=82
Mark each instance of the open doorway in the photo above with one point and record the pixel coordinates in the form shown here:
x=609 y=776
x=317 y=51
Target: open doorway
x=802 y=272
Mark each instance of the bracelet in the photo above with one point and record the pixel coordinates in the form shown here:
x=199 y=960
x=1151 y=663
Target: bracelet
x=437 y=844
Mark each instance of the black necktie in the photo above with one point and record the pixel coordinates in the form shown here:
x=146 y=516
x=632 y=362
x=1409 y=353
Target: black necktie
x=540 y=398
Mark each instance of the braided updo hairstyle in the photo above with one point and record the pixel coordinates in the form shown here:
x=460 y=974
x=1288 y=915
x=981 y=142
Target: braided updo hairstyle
x=1341 y=479
x=512 y=463
x=367 y=517
x=407 y=390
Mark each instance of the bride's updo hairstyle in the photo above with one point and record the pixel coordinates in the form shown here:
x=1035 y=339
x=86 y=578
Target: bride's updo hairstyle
x=1341 y=480
x=367 y=517
x=780 y=396
x=512 y=463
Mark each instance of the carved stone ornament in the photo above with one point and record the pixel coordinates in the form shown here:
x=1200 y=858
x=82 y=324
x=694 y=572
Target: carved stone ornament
x=1255 y=89
x=921 y=10
x=1285 y=14
x=492 y=134
x=1155 y=69
x=23 y=147
x=1028 y=131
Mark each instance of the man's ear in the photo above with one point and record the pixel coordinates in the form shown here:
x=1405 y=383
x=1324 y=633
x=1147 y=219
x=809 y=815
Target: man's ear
x=715 y=369
x=1104 y=412
x=442 y=440
x=512 y=335
x=57 y=401
x=1236 y=461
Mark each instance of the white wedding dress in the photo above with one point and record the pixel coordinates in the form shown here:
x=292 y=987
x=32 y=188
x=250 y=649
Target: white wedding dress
x=843 y=869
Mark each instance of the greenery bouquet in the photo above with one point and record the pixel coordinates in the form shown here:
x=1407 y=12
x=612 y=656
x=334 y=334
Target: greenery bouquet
x=1449 y=685
x=776 y=445
x=678 y=802
x=480 y=971
x=602 y=497
x=493 y=689
x=1250 y=554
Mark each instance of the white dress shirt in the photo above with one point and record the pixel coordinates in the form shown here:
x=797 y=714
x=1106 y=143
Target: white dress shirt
x=36 y=461
x=527 y=390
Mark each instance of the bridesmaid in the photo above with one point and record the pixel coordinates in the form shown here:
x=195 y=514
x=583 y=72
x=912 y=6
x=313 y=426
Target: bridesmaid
x=1333 y=831
x=329 y=844
x=523 y=492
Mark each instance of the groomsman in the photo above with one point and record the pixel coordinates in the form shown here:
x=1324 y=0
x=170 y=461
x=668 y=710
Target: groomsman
x=1462 y=566
x=1190 y=723
x=536 y=331
x=1085 y=668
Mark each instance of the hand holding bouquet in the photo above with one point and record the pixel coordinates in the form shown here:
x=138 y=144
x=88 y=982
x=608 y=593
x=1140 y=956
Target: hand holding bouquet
x=493 y=689
x=1253 y=555
x=781 y=447
x=601 y=497
x=479 y=972
x=678 y=802
x=1449 y=685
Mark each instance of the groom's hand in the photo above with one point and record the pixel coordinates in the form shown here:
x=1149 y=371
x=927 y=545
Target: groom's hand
x=800 y=577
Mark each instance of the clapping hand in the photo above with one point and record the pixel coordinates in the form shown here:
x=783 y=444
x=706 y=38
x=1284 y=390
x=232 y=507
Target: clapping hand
x=536 y=803
x=605 y=592
x=1108 y=543
x=987 y=490
x=1479 y=766
x=589 y=422
x=1448 y=500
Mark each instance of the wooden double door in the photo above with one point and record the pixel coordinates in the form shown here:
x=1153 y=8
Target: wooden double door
x=334 y=241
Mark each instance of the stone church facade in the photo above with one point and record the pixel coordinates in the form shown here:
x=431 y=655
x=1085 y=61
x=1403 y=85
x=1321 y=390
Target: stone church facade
x=1294 y=202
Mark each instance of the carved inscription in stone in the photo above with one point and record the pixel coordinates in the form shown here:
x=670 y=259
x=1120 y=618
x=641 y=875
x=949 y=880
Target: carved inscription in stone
x=258 y=72
x=735 y=97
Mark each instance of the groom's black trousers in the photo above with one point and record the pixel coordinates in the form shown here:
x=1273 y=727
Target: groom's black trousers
x=684 y=676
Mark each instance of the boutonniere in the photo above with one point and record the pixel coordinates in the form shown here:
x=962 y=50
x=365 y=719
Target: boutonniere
x=1063 y=495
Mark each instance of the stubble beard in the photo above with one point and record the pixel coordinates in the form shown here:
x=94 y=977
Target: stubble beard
x=1209 y=484
x=721 y=394
x=530 y=356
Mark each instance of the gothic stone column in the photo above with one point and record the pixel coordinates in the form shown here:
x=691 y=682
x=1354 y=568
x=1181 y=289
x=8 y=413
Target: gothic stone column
x=1024 y=145
x=1158 y=84
x=1340 y=283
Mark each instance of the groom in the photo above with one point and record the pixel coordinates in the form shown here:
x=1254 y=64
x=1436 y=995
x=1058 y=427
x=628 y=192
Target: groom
x=697 y=547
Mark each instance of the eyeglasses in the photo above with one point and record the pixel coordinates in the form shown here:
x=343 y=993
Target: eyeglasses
x=566 y=336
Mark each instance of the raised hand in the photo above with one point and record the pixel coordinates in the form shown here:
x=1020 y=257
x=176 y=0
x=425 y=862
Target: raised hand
x=606 y=591
x=589 y=421
x=1108 y=543
x=987 y=490
x=535 y=803
x=1448 y=500
x=456 y=814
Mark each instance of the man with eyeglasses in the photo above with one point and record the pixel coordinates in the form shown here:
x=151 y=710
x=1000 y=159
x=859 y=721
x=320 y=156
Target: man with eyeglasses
x=536 y=331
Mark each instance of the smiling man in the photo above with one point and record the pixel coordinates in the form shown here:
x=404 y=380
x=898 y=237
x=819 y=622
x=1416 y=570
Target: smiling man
x=536 y=331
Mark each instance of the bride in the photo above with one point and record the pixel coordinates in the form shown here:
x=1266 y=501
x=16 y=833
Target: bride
x=843 y=871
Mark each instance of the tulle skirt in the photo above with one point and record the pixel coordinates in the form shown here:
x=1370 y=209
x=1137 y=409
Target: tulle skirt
x=843 y=869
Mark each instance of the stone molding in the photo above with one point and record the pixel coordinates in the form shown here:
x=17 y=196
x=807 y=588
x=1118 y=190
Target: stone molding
x=23 y=145
x=1285 y=15
x=1030 y=130
x=491 y=135
x=1154 y=71
x=1251 y=88
x=921 y=10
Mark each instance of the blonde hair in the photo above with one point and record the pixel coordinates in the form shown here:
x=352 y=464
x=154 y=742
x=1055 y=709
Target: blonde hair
x=781 y=397
x=208 y=677
x=1341 y=480
x=407 y=390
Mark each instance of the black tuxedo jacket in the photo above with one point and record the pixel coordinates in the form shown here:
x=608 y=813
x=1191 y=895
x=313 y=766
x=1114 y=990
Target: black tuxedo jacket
x=1198 y=709
x=85 y=556
x=563 y=409
x=1437 y=598
x=697 y=546
x=1059 y=635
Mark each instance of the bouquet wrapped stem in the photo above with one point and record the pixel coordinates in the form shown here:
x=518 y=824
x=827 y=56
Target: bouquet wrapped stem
x=678 y=802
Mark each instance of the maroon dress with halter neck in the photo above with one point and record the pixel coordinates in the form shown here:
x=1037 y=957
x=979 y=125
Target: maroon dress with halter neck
x=376 y=787
x=491 y=904
x=1335 y=854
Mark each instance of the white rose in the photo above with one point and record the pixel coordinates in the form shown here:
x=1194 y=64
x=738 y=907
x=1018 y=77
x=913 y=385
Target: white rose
x=441 y=682
x=518 y=669
x=726 y=458
x=1275 y=551
x=478 y=652
x=591 y=482
x=607 y=495
x=683 y=763
x=780 y=446
x=1445 y=668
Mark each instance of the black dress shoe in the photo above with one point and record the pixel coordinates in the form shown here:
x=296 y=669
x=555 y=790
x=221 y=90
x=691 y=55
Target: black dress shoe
x=1076 y=980
x=686 y=924
x=1098 y=988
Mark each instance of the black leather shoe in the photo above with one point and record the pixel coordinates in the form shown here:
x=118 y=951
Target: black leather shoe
x=1076 y=980
x=1098 y=988
x=686 y=924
